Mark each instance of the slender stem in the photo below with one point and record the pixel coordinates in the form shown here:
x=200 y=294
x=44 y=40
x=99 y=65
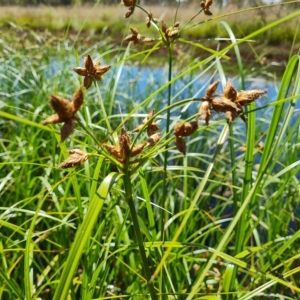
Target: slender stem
x=102 y=106
x=164 y=191
x=138 y=235
x=167 y=126
x=87 y=131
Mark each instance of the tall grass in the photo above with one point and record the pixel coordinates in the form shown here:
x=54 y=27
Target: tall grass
x=221 y=222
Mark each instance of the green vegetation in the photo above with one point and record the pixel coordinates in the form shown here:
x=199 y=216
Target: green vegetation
x=126 y=215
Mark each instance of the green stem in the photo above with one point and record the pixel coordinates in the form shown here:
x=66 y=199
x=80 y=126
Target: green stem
x=168 y=117
x=138 y=235
x=102 y=107
x=87 y=131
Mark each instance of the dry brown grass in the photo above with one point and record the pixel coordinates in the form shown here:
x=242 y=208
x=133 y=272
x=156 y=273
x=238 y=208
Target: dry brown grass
x=114 y=13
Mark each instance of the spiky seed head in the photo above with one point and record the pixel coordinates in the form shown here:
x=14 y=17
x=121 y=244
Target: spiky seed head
x=138 y=128
x=129 y=2
x=88 y=64
x=87 y=82
x=230 y=115
x=208 y=3
x=138 y=149
x=149 y=116
x=205 y=111
x=81 y=71
x=54 y=119
x=100 y=70
x=153 y=139
x=163 y=27
x=208 y=12
x=180 y=144
x=124 y=142
x=211 y=89
x=77 y=100
x=62 y=107
x=134 y=31
x=76 y=158
x=114 y=150
x=129 y=12
x=185 y=129
x=148 y=40
x=230 y=92
x=222 y=104
x=152 y=128
x=67 y=129
x=246 y=97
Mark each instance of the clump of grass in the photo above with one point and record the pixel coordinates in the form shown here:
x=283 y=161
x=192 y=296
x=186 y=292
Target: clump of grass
x=110 y=208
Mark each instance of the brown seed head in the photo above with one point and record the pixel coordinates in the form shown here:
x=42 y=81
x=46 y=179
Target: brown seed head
x=206 y=5
x=76 y=158
x=91 y=70
x=152 y=128
x=246 y=97
x=65 y=112
x=222 y=104
x=148 y=19
x=170 y=32
x=88 y=64
x=114 y=150
x=153 y=139
x=148 y=40
x=134 y=37
x=231 y=115
x=63 y=107
x=81 y=71
x=163 y=27
x=211 y=89
x=138 y=128
x=205 y=111
x=124 y=142
x=54 y=119
x=129 y=2
x=67 y=129
x=100 y=70
x=149 y=116
x=180 y=144
x=185 y=129
x=77 y=100
x=230 y=92
x=129 y=12
x=138 y=149
x=87 y=82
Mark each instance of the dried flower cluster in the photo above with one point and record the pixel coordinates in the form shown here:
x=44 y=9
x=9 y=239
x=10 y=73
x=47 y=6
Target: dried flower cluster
x=206 y=6
x=124 y=151
x=65 y=112
x=149 y=19
x=183 y=130
x=171 y=32
x=91 y=70
x=131 y=4
x=230 y=102
x=135 y=37
x=76 y=158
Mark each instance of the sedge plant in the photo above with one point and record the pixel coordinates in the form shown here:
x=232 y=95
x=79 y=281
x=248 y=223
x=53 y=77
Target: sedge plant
x=163 y=201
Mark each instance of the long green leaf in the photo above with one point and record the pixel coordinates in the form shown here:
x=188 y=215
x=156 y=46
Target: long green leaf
x=83 y=234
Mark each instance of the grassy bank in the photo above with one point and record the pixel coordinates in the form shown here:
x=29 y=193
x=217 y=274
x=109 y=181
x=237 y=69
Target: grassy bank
x=94 y=23
x=123 y=181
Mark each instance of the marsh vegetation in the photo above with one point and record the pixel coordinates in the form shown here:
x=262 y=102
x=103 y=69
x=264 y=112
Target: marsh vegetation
x=184 y=186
